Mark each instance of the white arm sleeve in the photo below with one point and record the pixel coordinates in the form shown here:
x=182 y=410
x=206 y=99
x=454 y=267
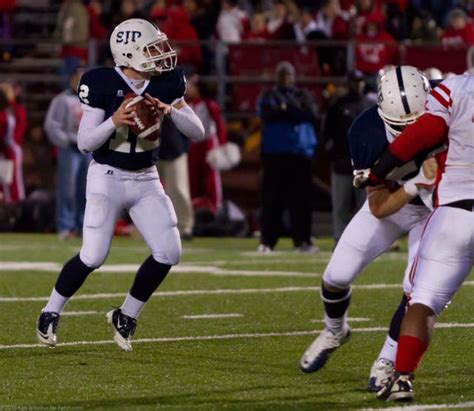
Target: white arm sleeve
x=186 y=121
x=93 y=130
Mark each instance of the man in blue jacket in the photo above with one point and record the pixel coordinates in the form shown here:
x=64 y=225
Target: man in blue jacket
x=288 y=142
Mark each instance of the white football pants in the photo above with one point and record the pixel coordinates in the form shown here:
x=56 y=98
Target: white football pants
x=445 y=258
x=111 y=190
x=366 y=237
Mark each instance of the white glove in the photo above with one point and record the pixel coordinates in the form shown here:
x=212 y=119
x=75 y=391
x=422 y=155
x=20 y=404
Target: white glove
x=360 y=177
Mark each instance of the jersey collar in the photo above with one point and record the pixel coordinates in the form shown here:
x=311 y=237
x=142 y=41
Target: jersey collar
x=137 y=91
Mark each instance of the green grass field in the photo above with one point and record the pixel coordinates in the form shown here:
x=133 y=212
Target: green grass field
x=247 y=360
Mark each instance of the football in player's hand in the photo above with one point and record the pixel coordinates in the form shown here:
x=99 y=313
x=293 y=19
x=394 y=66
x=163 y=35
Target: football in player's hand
x=147 y=119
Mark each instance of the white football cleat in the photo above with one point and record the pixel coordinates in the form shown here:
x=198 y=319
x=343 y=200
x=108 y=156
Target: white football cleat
x=264 y=249
x=381 y=372
x=318 y=352
x=123 y=327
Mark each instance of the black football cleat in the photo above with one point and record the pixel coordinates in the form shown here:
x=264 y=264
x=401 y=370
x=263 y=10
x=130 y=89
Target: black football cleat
x=123 y=327
x=46 y=328
x=398 y=388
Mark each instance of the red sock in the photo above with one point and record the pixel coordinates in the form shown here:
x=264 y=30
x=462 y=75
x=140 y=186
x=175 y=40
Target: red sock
x=409 y=352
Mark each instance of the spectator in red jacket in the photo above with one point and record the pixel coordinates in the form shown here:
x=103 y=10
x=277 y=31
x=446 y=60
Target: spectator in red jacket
x=12 y=130
x=96 y=29
x=258 y=28
x=375 y=48
x=279 y=25
x=178 y=28
x=364 y=9
x=460 y=32
x=205 y=181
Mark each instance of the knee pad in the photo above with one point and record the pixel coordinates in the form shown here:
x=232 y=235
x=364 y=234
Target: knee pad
x=171 y=251
x=336 y=281
x=93 y=259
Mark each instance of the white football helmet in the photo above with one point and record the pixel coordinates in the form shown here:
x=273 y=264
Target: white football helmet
x=140 y=45
x=433 y=73
x=383 y=71
x=401 y=97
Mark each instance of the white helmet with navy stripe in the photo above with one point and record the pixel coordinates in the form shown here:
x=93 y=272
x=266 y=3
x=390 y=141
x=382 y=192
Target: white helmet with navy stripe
x=139 y=44
x=401 y=98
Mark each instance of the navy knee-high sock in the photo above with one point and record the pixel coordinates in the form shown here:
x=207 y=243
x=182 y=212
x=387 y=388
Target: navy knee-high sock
x=72 y=276
x=397 y=318
x=149 y=276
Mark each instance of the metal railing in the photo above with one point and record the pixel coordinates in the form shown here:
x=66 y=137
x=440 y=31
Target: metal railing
x=36 y=57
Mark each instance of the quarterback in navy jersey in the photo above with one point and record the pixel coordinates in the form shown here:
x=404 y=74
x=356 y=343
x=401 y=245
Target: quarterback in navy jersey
x=122 y=174
x=104 y=88
x=388 y=214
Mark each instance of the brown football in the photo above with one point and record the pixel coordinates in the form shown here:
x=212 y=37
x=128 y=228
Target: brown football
x=147 y=120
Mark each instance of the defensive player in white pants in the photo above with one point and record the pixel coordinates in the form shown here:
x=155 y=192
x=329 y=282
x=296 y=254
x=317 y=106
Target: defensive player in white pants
x=122 y=174
x=384 y=218
x=446 y=253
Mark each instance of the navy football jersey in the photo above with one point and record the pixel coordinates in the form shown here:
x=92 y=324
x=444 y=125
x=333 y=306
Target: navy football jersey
x=368 y=140
x=104 y=88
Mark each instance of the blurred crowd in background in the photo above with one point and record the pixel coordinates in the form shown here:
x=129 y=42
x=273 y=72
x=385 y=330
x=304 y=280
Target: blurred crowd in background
x=448 y=22
x=81 y=29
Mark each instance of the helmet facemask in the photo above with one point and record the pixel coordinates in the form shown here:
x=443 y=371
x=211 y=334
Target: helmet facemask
x=159 y=57
x=397 y=125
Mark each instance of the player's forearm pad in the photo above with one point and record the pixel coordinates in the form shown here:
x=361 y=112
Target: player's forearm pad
x=186 y=121
x=386 y=163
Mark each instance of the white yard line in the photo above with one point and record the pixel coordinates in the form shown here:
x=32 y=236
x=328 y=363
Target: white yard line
x=289 y=256
x=421 y=407
x=222 y=337
x=211 y=316
x=132 y=268
x=79 y=313
x=223 y=291
x=350 y=319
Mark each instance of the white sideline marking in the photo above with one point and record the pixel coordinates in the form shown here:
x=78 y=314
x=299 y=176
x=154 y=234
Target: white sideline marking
x=285 y=256
x=78 y=313
x=180 y=293
x=223 y=337
x=132 y=268
x=421 y=407
x=210 y=316
x=350 y=319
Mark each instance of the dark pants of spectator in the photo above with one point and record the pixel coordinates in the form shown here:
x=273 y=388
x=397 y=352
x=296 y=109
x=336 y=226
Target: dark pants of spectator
x=286 y=185
x=343 y=196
